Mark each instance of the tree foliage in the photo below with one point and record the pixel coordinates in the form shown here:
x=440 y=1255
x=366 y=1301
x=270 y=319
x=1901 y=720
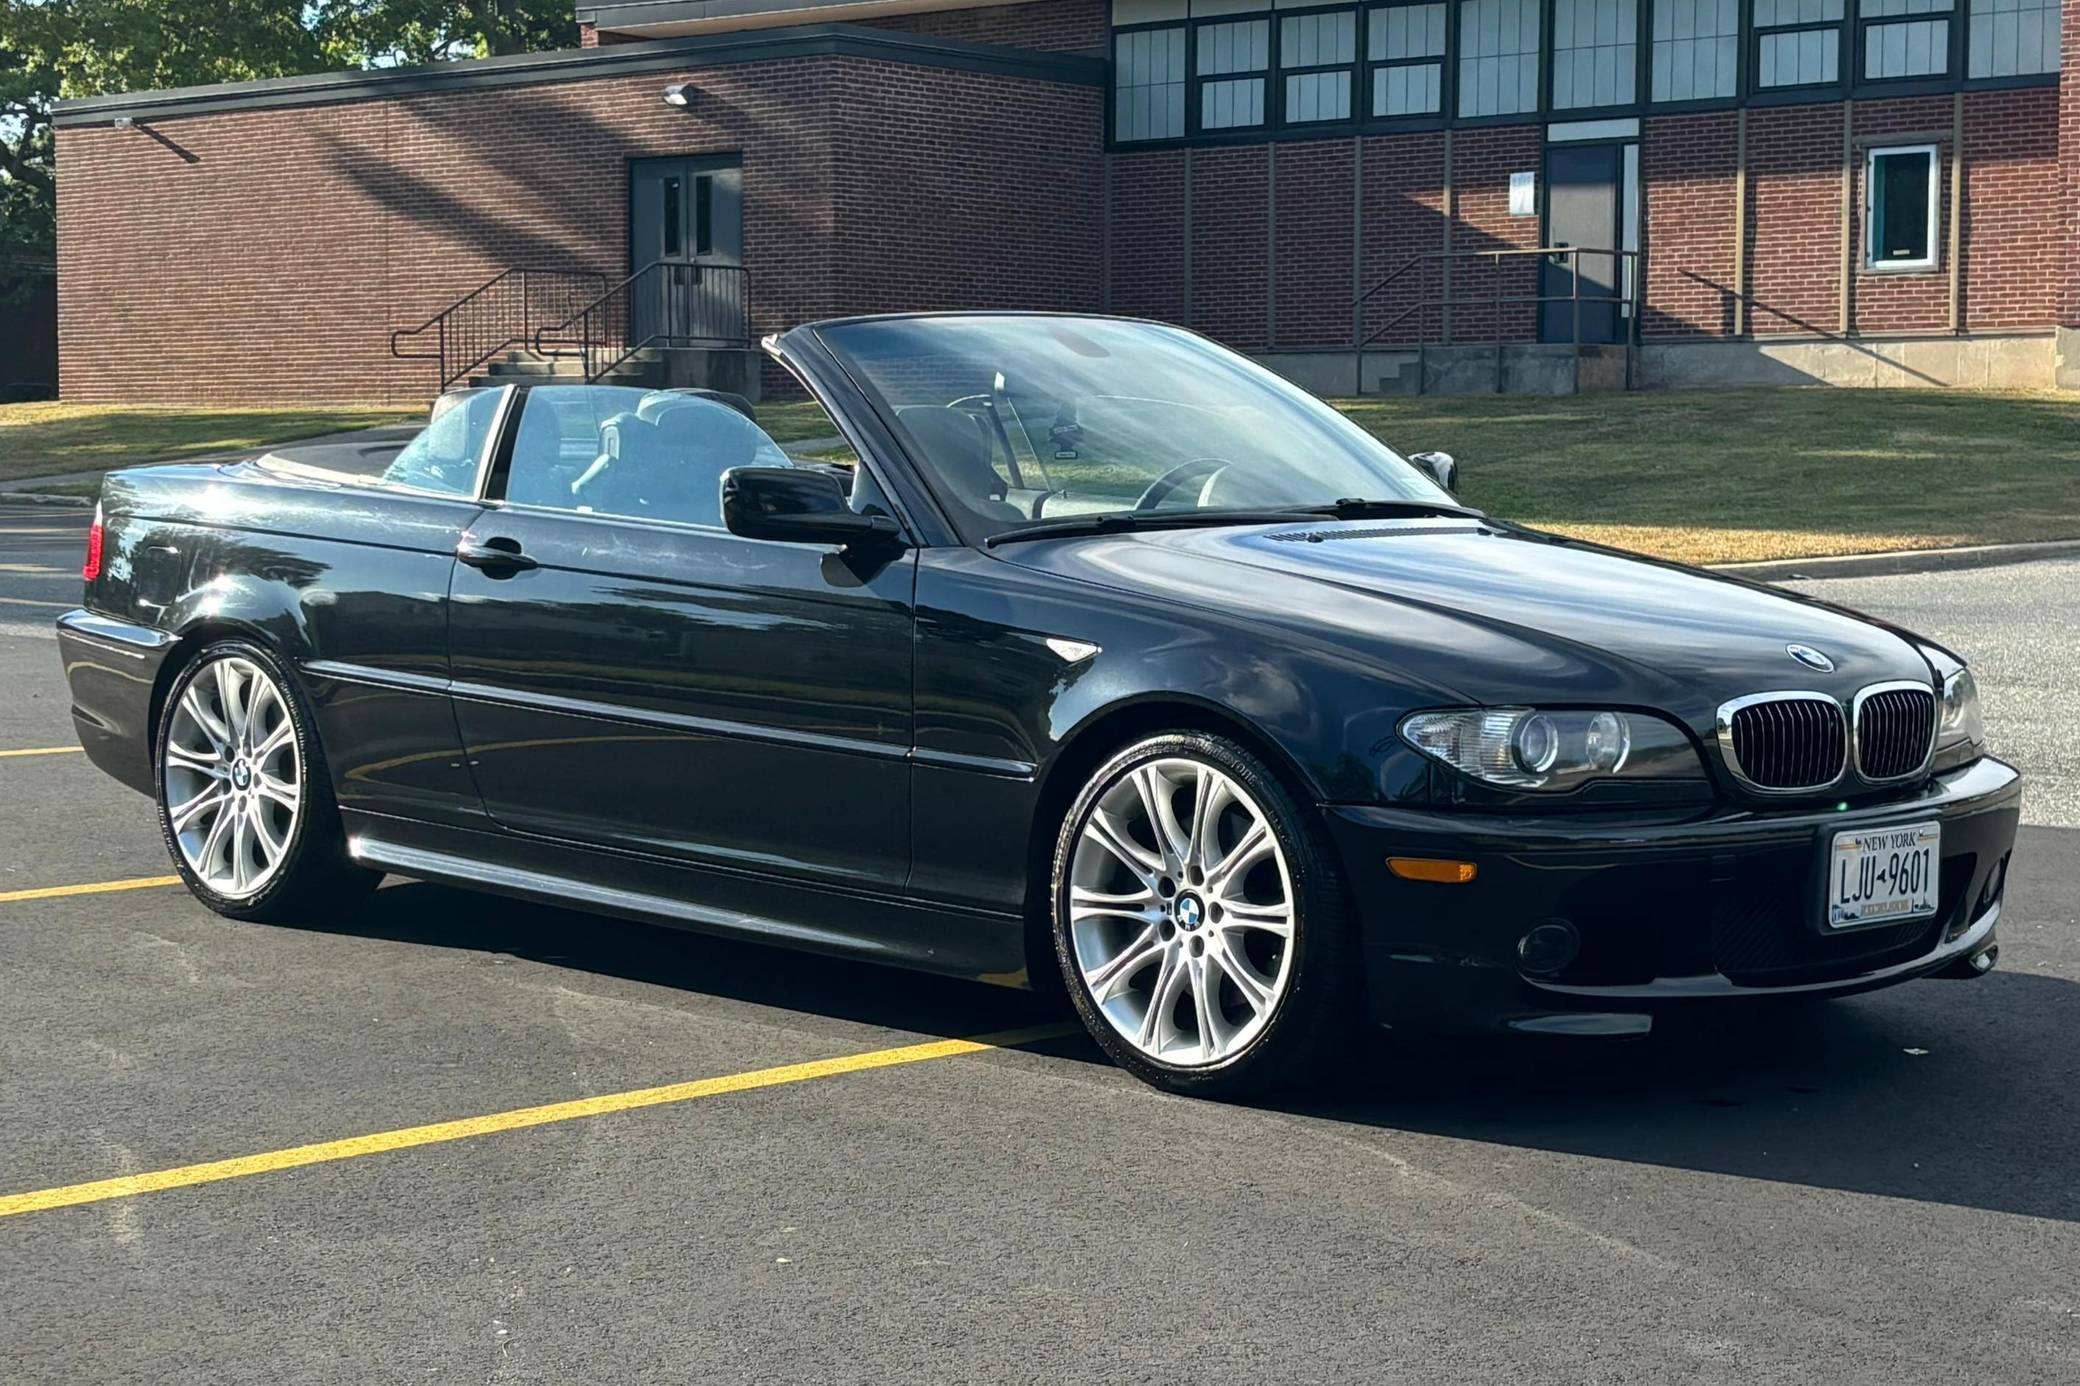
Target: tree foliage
x=53 y=49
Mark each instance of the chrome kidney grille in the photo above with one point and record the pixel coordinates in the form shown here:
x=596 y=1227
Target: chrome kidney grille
x=1895 y=730
x=1785 y=742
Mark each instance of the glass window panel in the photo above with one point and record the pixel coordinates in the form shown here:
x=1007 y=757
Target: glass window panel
x=1318 y=40
x=1906 y=48
x=1318 y=96
x=1595 y=52
x=1242 y=45
x=1411 y=89
x=1149 y=95
x=2013 y=38
x=1695 y=42
x=1406 y=31
x=1498 y=57
x=1232 y=105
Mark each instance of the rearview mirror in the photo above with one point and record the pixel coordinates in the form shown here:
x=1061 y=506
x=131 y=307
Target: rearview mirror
x=1440 y=467
x=796 y=505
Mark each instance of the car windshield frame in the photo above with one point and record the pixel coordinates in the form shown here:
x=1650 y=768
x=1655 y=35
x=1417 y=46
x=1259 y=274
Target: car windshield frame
x=1182 y=372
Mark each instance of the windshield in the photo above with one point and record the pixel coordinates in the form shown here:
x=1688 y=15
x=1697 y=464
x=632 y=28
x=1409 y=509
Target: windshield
x=1019 y=421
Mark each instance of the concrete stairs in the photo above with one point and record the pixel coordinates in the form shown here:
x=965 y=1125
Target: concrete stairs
x=644 y=370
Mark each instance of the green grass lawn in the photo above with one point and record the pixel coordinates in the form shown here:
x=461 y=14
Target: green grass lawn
x=49 y=438
x=1724 y=475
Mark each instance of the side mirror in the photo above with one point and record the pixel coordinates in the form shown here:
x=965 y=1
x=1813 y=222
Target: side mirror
x=1440 y=467
x=796 y=505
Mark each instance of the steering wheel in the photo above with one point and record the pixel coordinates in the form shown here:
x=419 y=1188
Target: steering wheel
x=1181 y=476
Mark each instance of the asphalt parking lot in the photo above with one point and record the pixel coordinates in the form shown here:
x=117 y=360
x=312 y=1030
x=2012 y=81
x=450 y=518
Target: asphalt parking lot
x=1877 y=1190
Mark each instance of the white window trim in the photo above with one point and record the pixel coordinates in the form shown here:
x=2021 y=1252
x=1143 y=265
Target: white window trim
x=1871 y=263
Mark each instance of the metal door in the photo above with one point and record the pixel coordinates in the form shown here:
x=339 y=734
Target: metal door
x=686 y=246
x=1588 y=197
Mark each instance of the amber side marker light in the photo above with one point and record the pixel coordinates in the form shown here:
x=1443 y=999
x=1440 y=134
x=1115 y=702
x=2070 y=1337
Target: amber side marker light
x=1431 y=869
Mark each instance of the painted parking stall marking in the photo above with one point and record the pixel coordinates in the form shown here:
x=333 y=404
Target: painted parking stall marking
x=468 y=1128
x=9 y=897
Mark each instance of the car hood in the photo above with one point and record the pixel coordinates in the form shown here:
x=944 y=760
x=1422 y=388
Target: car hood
x=1487 y=613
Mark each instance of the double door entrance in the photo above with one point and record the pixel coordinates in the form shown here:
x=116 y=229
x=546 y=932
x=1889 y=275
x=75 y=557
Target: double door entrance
x=686 y=244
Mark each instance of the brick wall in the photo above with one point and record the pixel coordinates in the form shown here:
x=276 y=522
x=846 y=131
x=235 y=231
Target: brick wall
x=1231 y=246
x=1060 y=26
x=1403 y=218
x=2069 y=156
x=276 y=265
x=994 y=199
x=1687 y=164
x=1147 y=260
x=1312 y=244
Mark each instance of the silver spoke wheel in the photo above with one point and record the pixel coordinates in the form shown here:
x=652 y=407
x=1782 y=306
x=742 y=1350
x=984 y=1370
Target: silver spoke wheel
x=1180 y=910
x=233 y=777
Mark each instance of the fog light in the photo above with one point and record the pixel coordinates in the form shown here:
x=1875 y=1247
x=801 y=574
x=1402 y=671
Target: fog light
x=1550 y=946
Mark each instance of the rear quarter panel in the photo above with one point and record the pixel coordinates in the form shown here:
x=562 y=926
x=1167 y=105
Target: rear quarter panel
x=347 y=585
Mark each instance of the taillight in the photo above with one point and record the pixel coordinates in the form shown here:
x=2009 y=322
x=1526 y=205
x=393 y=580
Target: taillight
x=91 y=569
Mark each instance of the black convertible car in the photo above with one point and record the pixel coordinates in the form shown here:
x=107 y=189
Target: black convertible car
x=1106 y=654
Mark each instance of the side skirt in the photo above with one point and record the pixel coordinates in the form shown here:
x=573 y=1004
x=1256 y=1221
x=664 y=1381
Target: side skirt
x=959 y=943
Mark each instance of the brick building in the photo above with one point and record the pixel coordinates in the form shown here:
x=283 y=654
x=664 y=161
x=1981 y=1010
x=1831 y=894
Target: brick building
x=1857 y=191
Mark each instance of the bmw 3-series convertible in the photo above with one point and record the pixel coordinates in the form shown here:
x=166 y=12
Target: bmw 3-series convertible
x=1103 y=654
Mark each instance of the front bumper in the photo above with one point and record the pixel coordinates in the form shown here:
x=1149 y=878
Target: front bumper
x=1667 y=911
x=112 y=668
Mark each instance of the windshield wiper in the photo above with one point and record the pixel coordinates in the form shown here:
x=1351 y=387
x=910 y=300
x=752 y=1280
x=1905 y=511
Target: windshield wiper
x=1357 y=508
x=1121 y=521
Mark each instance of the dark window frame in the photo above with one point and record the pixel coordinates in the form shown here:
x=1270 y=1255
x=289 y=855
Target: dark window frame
x=1196 y=82
x=1112 y=87
x=1932 y=262
x=1953 y=47
x=1846 y=53
x=1352 y=70
x=1369 y=15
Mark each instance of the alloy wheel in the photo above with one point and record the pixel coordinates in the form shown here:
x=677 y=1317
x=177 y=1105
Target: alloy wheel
x=1181 y=912
x=233 y=779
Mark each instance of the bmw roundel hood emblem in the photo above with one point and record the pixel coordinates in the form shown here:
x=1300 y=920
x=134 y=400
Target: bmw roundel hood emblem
x=1810 y=657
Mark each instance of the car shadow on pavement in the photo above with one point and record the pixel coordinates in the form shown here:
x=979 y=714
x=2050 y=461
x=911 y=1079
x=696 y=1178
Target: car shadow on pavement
x=757 y=974
x=1964 y=1093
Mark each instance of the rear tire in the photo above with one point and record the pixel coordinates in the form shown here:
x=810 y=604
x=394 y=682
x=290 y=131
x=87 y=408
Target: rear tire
x=1200 y=923
x=245 y=800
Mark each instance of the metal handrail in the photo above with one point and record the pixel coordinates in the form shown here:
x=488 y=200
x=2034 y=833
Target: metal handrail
x=497 y=315
x=677 y=305
x=1628 y=294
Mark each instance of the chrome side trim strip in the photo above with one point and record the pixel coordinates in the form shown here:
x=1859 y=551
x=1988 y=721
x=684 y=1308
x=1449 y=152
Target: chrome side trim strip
x=125 y=638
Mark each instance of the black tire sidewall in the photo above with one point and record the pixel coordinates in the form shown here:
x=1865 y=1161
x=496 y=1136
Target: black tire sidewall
x=1290 y=1048
x=313 y=839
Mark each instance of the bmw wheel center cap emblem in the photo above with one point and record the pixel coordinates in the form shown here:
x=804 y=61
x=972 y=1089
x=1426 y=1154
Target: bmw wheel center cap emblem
x=1189 y=913
x=1810 y=657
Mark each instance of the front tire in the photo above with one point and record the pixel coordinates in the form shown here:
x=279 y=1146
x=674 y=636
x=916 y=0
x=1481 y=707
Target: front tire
x=1199 y=923
x=245 y=802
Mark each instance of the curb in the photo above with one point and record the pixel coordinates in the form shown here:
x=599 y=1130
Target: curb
x=8 y=498
x=1903 y=562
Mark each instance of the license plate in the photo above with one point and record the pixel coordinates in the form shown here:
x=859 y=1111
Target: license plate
x=1883 y=875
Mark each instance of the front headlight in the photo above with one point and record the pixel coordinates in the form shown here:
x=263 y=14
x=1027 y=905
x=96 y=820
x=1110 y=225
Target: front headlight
x=1553 y=751
x=1960 y=732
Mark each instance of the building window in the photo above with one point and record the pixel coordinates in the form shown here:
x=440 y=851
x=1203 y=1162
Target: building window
x=2013 y=38
x=1234 y=64
x=1318 y=54
x=1405 y=45
x=1696 y=49
x=1498 y=57
x=1898 y=42
x=1901 y=189
x=1148 y=85
x=1798 y=43
x=1595 y=53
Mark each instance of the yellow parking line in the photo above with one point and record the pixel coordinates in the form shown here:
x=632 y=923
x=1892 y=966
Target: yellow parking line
x=24 y=601
x=42 y=751
x=468 y=1128
x=8 y=897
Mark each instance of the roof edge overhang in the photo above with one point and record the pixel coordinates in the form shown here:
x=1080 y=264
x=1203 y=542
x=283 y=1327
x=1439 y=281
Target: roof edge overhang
x=583 y=64
x=671 y=18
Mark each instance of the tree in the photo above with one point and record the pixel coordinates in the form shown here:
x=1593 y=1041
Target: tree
x=53 y=49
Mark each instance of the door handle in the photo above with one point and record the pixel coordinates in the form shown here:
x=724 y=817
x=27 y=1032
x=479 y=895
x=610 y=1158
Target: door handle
x=500 y=557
